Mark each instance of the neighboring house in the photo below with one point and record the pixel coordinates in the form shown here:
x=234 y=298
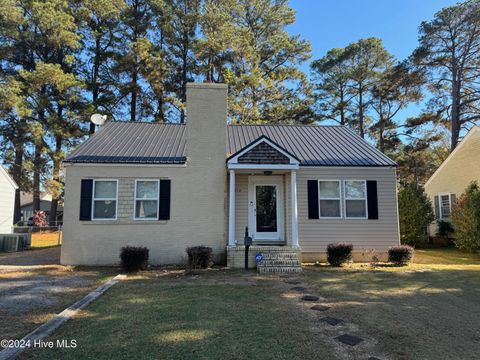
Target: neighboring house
x=26 y=207
x=7 y=201
x=170 y=186
x=451 y=179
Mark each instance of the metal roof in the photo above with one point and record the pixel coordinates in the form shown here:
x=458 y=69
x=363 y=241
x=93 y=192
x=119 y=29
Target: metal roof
x=128 y=142
x=314 y=145
x=153 y=143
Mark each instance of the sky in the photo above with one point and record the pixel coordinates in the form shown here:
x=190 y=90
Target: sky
x=336 y=23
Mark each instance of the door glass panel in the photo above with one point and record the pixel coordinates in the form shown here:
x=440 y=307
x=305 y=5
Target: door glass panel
x=266 y=199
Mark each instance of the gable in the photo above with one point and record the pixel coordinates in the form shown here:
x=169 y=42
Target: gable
x=460 y=168
x=263 y=153
x=6 y=179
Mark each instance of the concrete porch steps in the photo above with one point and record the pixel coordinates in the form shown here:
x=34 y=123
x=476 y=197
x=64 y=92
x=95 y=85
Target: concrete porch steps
x=275 y=259
x=279 y=262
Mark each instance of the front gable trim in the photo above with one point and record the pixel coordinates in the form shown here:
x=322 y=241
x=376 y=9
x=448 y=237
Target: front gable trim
x=233 y=163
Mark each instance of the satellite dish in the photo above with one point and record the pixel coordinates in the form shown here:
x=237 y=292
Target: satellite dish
x=98 y=119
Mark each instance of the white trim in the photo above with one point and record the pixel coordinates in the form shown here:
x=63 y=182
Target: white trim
x=452 y=154
x=294 y=210
x=135 y=200
x=103 y=199
x=9 y=178
x=339 y=199
x=234 y=160
x=264 y=167
x=345 y=199
x=440 y=205
x=231 y=210
x=278 y=182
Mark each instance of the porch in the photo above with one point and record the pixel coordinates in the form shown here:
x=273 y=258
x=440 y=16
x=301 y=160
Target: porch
x=262 y=201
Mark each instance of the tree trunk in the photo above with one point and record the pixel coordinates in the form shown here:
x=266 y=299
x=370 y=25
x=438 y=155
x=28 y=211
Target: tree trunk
x=455 y=122
x=381 y=139
x=56 y=178
x=133 y=104
x=342 y=109
x=17 y=176
x=37 y=169
x=360 y=112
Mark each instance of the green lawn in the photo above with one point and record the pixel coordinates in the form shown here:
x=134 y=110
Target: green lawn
x=190 y=318
x=426 y=310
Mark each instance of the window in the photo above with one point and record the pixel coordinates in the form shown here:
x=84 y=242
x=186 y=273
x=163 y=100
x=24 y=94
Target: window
x=355 y=199
x=146 y=199
x=329 y=198
x=445 y=206
x=104 y=200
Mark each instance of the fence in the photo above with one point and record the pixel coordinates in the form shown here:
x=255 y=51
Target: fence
x=40 y=236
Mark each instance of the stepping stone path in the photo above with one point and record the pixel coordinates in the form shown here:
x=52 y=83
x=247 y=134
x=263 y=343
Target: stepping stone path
x=298 y=288
x=293 y=282
x=320 y=307
x=349 y=339
x=331 y=320
x=346 y=339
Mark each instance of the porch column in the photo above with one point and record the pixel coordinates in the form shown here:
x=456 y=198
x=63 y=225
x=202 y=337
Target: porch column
x=293 y=187
x=231 y=210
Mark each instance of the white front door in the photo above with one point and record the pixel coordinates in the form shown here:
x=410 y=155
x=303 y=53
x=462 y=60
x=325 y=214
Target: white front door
x=265 y=213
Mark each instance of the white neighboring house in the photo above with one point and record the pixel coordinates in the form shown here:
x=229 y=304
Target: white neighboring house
x=7 y=201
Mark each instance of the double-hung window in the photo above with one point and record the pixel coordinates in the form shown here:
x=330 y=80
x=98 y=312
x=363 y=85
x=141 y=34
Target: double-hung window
x=329 y=199
x=146 y=199
x=445 y=206
x=355 y=198
x=104 y=202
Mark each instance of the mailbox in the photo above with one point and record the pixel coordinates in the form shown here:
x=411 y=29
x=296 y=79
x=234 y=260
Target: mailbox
x=247 y=242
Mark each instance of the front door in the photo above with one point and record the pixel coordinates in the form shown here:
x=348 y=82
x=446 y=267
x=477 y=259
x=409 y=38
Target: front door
x=266 y=208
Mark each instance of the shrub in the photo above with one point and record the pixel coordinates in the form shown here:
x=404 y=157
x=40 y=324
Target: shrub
x=444 y=229
x=338 y=254
x=400 y=255
x=465 y=217
x=199 y=257
x=134 y=258
x=415 y=214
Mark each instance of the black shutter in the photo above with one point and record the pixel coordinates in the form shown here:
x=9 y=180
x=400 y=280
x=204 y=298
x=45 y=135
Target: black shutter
x=312 y=199
x=372 y=199
x=86 y=200
x=164 y=205
x=437 y=207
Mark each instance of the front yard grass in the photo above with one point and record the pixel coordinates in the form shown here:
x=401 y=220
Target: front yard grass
x=190 y=318
x=427 y=310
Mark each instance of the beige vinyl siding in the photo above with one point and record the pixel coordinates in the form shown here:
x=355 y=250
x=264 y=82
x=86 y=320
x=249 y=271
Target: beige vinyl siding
x=7 y=203
x=364 y=234
x=459 y=170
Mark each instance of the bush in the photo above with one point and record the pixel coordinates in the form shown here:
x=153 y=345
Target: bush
x=134 y=258
x=465 y=218
x=199 y=257
x=400 y=255
x=444 y=229
x=338 y=254
x=415 y=214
